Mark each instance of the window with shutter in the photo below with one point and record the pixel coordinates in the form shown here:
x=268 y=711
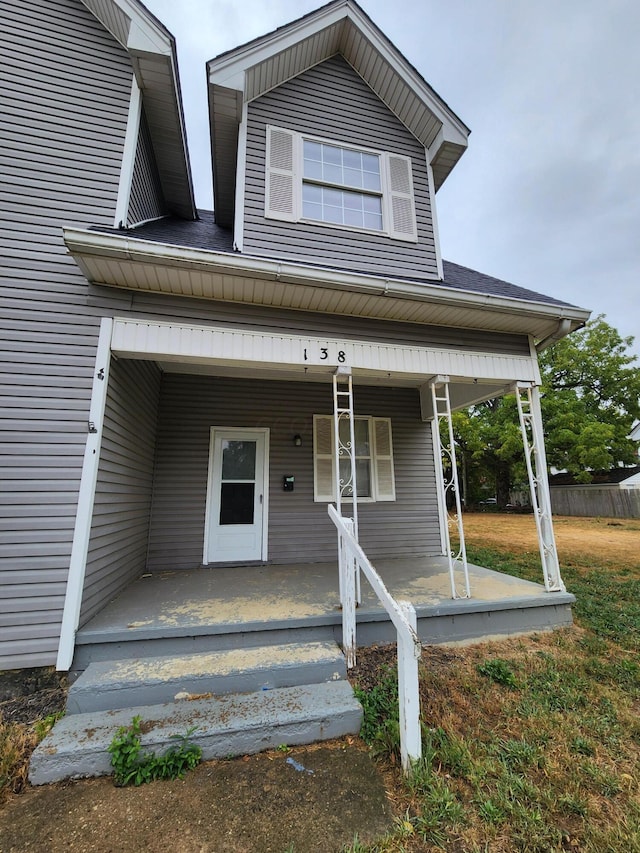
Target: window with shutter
x=280 y=190
x=403 y=220
x=315 y=180
x=374 y=459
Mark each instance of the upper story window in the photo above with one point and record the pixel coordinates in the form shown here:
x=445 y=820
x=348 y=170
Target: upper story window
x=326 y=170
x=315 y=180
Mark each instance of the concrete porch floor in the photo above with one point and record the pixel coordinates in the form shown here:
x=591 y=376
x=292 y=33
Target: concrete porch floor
x=243 y=599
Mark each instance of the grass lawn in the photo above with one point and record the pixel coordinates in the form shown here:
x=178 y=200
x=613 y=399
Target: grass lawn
x=533 y=743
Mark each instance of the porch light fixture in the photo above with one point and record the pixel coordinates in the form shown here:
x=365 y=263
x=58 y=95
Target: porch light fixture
x=297 y=440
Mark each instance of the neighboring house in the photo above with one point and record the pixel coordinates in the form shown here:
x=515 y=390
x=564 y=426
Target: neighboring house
x=610 y=494
x=635 y=435
x=168 y=374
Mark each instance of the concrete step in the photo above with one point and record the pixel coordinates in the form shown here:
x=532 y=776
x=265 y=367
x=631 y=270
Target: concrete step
x=119 y=645
x=108 y=685
x=237 y=724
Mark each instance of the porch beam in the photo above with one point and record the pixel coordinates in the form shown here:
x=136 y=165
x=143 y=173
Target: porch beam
x=530 y=415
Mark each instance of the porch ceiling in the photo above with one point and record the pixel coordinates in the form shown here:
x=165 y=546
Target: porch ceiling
x=118 y=261
x=463 y=393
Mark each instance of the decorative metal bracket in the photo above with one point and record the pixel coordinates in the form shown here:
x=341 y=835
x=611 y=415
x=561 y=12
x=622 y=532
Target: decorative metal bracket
x=529 y=412
x=447 y=484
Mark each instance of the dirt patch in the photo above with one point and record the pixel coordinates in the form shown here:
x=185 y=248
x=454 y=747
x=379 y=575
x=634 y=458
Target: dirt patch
x=307 y=799
x=601 y=539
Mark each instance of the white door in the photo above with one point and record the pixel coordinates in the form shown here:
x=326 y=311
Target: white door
x=236 y=502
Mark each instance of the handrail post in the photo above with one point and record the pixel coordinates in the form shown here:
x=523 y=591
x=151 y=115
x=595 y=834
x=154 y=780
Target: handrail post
x=351 y=559
x=409 y=691
x=349 y=606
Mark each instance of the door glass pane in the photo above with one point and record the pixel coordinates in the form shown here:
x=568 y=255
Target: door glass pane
x=237 y=503
x=238 y=460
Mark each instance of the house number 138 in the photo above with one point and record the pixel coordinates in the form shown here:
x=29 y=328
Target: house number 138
x=324 y=355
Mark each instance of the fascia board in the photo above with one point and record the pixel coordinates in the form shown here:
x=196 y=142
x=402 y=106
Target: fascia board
x=84 y=242
x=146 y=40
x=229 y=70
x=455 y=130
x=146 y=34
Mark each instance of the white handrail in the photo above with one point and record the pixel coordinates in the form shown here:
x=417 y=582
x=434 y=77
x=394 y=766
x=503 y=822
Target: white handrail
x=351 y=559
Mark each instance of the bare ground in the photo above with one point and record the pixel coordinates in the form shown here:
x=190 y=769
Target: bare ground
x=601 y=539
x=256 y=804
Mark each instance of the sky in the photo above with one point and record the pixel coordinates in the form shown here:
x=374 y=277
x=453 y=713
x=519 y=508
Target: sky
x=547 y=196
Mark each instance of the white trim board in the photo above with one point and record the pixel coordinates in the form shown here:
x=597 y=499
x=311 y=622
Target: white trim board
x=86 y=496
x=304 y=354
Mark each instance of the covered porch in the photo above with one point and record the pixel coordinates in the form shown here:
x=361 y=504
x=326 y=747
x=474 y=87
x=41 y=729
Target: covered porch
x=221 y=608
x=164 y=391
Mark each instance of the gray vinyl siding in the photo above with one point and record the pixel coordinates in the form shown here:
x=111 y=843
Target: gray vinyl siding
x=66 y=86
x=120 y=526
x=146 y=200
x=255 y=317
x=191 y=405
x=332 y=102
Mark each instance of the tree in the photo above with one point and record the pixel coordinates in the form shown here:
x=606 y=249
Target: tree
x=590 y=400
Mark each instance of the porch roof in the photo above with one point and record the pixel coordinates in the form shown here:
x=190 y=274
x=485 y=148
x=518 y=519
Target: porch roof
x=197 y=259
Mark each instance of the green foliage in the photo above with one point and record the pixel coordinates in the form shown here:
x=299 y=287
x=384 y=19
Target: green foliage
x=380 y=722
x=590 y=400
x=499 y=671
x=519 y=755
x=444 y=751
x=439 y=810
x=592 y=397
x=132 y=766
x=43 y=727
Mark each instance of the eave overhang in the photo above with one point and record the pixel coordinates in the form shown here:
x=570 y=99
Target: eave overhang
x=152 y=51
x=341 y=27
x=119 y=261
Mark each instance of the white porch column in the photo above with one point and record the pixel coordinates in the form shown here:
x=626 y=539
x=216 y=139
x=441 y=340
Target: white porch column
x=86 y=495
x=447 y=483
x=530 y=414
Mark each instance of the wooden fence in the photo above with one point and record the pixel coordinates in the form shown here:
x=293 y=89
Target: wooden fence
x=608 y=501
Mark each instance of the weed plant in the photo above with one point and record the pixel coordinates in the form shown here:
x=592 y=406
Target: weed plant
x=132 y=766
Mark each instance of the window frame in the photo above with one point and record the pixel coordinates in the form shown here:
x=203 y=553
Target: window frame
x=390 y=197
x=363 y=192
x=376 y=460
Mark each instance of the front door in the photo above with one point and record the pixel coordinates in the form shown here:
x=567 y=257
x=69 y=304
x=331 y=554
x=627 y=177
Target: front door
x=236 y=500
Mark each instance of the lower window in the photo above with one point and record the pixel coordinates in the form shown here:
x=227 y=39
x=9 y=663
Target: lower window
x=373 y=457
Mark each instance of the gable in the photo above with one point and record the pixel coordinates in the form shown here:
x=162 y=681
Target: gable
x=333 y=103
x=341 y=27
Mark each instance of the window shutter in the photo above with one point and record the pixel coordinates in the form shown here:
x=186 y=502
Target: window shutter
x=383 y=460
x=280 y=178
x=323 y=488
x=401 y=205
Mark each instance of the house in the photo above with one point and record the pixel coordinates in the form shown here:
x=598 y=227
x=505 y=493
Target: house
x=173 y=378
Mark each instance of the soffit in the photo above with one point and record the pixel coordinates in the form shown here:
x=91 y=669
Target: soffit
x=118 y=261
x=151 y=48
x=339 y=28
